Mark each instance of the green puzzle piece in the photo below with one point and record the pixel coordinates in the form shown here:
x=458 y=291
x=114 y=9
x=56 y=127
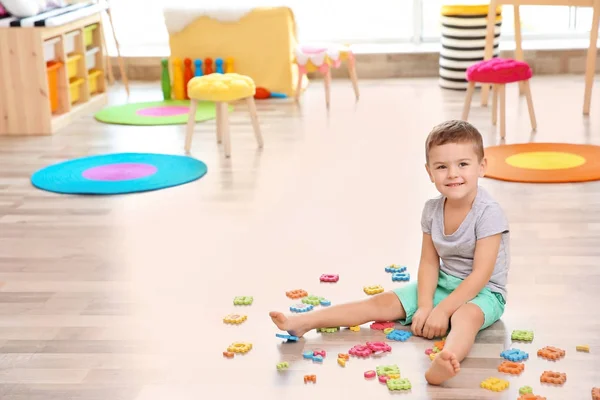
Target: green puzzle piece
x=312 y=299
x=327 y=330
x=525 y=390
x=398 y=384
x=387 y=370
x=243 y=300
x=525 y=336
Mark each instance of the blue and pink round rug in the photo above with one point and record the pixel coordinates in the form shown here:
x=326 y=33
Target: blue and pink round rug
x=118 y=173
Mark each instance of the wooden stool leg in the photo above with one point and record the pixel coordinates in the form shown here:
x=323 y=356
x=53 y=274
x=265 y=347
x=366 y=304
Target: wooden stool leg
x=328 y=87
x=254 y=118
x=224 y=126
x=468 y=98
x=518 y=41
x=353 y=77
x=219 y=127
x=189 y=132
x=494 y=104
x=502 y=93
x=527 y=90
x=590 y=64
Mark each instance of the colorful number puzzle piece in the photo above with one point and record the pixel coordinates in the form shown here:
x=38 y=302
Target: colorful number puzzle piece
x=530 y=396
x=398 y=384
x=551 y=353
x=312 y=299
x=583 y=347
x=370 y=374
x=301 y=307
x=360 y=350
x=228 y=354
x=556 y=378
x=495 y=384
x=317 y=358
x=325 y=303
x=399 y=335
x=243 y=300
x=355 y=328
x=379 y=347
x=525 y=390
x=234 y=319
x=401 y=276
x=374 y=289
x=308 y=355
x=341 y=362
x=381 y=325
x=514 y=355
x=296 y=294
x=290 y=338
x=283 y=365
x=329 y=278
x=523 y=336
x=310 y=378
x=387 y=370
x=395 y=268
x=328 y=330
x=511 y=367
x=240 y=347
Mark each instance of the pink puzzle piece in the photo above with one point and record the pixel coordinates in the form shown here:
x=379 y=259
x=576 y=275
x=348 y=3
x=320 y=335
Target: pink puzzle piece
x=360 y=350
x=381 y=325
x=330 y=278
x=379 y=347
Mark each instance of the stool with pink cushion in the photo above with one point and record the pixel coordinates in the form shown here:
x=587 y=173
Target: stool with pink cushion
x=498 y=72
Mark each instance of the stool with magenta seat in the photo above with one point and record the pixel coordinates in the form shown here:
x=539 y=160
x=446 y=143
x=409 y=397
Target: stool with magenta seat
x=498 y=72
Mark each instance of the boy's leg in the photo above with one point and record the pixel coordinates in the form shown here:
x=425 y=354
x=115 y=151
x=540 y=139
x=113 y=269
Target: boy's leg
x=465 y=323
x=382 y=307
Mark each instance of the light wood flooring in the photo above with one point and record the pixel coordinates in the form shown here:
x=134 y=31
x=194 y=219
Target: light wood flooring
x=122 y=297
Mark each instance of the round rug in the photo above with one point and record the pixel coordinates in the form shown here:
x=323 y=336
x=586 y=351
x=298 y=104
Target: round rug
x=543 y=162
x=118 y=173
x=168 y=112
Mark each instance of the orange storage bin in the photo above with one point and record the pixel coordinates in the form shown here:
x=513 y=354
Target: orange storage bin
x=52 y=68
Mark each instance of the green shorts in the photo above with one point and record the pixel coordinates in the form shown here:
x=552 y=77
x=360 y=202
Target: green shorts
x=491 y=303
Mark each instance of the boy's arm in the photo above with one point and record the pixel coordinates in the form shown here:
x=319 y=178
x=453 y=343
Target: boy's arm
x=484 y=261
x=429 y=268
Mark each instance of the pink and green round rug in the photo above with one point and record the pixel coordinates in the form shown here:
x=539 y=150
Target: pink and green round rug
x=167 y=112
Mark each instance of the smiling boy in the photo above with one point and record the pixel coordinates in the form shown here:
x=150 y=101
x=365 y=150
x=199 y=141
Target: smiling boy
x=464 y=262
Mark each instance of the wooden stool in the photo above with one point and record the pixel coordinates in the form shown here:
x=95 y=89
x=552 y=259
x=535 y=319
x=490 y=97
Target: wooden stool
x=498 y=72
x=322 y=58
x=222 y=89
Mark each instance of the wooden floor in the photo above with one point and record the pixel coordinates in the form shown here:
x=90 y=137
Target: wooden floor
x=122 y=298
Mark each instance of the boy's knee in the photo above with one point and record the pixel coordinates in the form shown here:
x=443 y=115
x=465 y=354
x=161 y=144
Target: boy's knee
x=468 y=311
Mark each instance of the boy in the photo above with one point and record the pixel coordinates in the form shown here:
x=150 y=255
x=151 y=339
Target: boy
x=464 y=259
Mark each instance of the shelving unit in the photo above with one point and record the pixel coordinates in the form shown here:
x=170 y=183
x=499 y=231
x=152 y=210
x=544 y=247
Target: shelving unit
x=37 y=65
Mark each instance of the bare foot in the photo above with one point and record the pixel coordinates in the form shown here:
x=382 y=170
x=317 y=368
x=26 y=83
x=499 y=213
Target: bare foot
x=292 y=325
x=443 y=367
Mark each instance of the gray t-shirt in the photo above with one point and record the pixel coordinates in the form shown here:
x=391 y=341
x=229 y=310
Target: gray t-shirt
x=457 y=250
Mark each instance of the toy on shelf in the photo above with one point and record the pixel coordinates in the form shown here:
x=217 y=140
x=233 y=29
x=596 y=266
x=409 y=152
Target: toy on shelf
x=165 y=80
x=262 y=93
x=219 y=66
x=229 y=65
x=178 y=89
x=188 y=74
x=208 y=66
x=198 y=67
x=184 y=71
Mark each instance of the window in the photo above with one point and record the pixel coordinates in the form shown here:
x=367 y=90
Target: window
x=141 y=30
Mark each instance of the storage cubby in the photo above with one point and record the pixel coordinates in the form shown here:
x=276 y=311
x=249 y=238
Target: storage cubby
x=57 y=71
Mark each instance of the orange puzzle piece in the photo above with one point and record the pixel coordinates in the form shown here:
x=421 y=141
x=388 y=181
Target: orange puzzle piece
x=296 y=294
x=596 y=393
x=510 y=367
x=310 y=378
x=551 y=353
x=228 y=354
x=556 y=378
x=440 y=344
x=531 y=396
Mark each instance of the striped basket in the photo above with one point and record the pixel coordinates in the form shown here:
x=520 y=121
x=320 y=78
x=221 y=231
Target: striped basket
x=463 y=41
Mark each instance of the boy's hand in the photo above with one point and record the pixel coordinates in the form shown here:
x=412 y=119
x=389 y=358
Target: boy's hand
x=419 y=319
x=436 y=324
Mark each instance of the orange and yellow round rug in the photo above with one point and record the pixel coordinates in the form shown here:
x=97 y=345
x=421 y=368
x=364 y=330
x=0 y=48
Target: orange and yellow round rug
x=543 y=162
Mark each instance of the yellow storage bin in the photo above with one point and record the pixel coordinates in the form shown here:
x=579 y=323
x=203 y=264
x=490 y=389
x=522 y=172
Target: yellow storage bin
x=75 y=89
x=94 y=76
x=72 y=64
x=88 y=34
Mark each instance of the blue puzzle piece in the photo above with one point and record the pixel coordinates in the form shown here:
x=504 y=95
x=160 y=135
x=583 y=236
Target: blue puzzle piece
x=318 y=358
x=400 y=276
x=514 y=355
x=399 y=335
x=325 y=303
x=288 y=337
x=301 y=307
x=308 y=355
x=395 y=268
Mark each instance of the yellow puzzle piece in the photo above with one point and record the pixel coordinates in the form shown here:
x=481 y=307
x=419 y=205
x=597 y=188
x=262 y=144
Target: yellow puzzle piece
x=355 y=328
x=375 y=289
x=240 y=347
x=234 y=319
x=495 y=384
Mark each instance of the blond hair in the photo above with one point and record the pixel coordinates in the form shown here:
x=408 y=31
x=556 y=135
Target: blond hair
x=454 y=131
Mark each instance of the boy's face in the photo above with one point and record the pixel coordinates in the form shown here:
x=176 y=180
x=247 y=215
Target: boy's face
x=455 y=170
